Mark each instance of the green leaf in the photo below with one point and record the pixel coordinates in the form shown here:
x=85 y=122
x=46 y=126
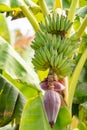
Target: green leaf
x=82 y=126
x=16 y=67
x=33 y=116
x=4 y=30
x=11 y=100
x=63 y=119
x=10 y=5
x=82 y=12
x=66 y=3
x=27 y=91
x=83 y=111
x=81 y=89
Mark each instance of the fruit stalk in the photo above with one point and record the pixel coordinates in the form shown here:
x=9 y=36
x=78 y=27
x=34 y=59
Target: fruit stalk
x=44 y=7
x=58 y=4
x=82 y=27
x=65 y=91
x=27 y=12
x=75 y=77
x=72 y=12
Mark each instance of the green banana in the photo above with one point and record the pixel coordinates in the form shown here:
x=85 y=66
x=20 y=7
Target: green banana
x=43 y=55
x=48 y=40
x=55 y=19
x=63 y=45
x=58 y=23
x=34 y=47
x=41 y=36
x=46 y=51
x=42 y=26
x=65 y=72
x=47 y=24
x=56 y=63
x=62 y=23
x=36 y=65
x=60 y=57
x=69 y=52
x=65 y=22
x=51 y=51
x=58 y=42
x=54 y=41
x=35 y=44
x=39 y=58
x=52 y=61
x=55 y=53
x=58 y=60
x=66 y=67
x=36 y=60
x=65 y=50
x=63 y=62
x=50 y=22
x=68 y=25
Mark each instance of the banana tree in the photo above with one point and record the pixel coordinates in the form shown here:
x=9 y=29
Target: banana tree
x=52 y=93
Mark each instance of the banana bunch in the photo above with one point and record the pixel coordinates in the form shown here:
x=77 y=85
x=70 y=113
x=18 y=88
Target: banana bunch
x=54 y=52
x=51 y=49
x=40 y=40
x=56 y=24
x=67 y=45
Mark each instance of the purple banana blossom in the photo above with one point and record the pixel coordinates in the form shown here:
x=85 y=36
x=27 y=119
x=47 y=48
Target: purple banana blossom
x=52 y=103
x=57 y=85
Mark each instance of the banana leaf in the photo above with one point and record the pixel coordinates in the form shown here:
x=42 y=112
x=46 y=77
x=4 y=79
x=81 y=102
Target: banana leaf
x=66 y=3
x=11 y=102
x=4 y=30
x=15 y=66
x=13 y=5
x=63 y=119
x=33 y=116
x=82 y=12
x=83 y=111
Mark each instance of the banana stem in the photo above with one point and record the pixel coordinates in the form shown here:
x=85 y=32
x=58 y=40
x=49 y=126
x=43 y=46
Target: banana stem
x=71 y=13
x=75 y=76
x=27 y=12
x=82 y=27
x=57 y=4
x=72 y=10
x=66 y=96
x=44 y=7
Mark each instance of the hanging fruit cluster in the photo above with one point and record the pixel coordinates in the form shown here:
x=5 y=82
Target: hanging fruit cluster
x=54 y=51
